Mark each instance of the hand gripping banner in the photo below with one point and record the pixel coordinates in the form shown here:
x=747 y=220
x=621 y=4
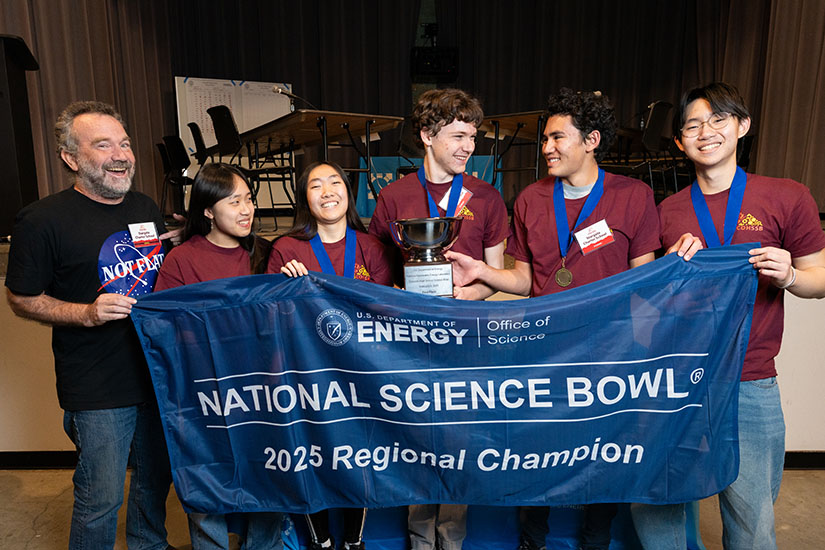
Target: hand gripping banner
x=317 y=392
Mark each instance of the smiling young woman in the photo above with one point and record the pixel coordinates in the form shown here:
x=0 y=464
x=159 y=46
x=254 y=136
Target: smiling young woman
x=327 y=234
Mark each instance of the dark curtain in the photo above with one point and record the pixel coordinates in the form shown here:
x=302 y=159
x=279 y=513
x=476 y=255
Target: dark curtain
x=514 y=55
x=341 y=56
x=353 y=55
x=345 y=55
x=731 y=47
x=93 y=49
x=793 y=111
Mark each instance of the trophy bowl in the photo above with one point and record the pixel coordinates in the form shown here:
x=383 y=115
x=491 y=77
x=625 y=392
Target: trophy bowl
x=425 y=238
x=426 y=270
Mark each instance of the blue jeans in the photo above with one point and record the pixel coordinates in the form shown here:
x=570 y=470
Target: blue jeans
x=747 y=504
x=209 y=531
x=107 y=440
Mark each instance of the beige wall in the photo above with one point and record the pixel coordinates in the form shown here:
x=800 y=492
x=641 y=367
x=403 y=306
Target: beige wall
x=801 y=374
x=30 y=418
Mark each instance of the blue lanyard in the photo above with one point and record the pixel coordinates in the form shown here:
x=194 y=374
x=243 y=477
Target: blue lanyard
x=732 y=209
x=455 y=193
x=349 y=254
x=562 y=225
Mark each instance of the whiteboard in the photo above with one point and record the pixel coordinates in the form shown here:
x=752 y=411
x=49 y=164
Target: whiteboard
x=252 y=104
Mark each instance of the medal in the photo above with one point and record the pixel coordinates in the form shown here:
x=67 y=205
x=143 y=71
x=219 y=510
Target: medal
x=563 y=276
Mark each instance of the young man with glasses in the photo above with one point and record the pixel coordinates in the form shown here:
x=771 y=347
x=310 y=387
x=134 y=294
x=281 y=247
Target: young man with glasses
x=724 y=206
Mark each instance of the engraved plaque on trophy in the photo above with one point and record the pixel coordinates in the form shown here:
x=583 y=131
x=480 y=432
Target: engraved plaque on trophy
x=426 y=270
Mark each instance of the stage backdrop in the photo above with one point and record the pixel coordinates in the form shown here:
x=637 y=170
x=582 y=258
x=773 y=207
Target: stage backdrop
x=320 y=392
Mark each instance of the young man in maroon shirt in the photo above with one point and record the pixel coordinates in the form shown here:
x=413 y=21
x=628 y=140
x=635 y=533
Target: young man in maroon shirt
x=446 y=122
x=724 y=206
x=576 y=226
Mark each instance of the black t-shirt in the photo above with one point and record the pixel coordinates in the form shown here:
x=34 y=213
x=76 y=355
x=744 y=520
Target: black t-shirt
x=73 y=249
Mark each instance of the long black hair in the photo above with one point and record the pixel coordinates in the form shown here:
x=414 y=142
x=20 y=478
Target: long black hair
x=304 y=226
x=214 y=182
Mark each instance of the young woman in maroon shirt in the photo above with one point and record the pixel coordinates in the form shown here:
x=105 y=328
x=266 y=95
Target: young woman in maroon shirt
x=328 y=235
x=219 y=243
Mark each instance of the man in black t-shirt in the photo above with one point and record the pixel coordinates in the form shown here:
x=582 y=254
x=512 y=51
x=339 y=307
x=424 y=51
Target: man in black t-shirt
x=77 y=260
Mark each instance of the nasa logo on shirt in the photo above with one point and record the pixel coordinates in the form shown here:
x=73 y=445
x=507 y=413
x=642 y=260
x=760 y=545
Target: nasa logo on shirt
x=129 y=261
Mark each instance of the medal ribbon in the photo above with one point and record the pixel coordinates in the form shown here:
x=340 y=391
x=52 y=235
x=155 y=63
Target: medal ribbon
x=455 y=193
x=349 y=254
x=565 y=235
x=732 y=209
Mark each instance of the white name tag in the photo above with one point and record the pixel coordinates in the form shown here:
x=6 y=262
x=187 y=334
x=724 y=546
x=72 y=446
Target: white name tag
x=144 y=233
x=463 y=199
x=594 y=237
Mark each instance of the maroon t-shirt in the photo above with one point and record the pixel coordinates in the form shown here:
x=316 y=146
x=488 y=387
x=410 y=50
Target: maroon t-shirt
x=371 y=259
x=628 y=208
x=198 y=260
x=485 y=215
x=775 y=212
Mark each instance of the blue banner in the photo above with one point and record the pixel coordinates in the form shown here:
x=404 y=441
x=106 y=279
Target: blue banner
x=318 y=392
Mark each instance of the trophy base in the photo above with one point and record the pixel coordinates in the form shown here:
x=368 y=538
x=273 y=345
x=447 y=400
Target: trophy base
x=433 y=279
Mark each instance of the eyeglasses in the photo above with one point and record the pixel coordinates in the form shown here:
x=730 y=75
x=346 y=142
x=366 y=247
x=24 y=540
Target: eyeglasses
x=717 y=121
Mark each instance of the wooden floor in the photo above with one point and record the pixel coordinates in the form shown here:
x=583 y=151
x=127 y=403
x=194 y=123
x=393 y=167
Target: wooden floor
x=36 y=507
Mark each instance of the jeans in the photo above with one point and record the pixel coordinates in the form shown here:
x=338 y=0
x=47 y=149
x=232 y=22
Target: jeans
x=263 y=531
x=448 y=522
x=747 y=504
x=107 y=440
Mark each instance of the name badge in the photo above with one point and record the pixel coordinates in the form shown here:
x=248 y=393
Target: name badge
x=144 y=234
x=594 y=237
x=463 y=199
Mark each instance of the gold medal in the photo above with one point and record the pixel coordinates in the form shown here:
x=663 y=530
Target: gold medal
x=563 y=276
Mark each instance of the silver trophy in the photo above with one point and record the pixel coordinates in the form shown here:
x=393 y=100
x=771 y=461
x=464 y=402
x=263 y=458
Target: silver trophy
x=426 y=270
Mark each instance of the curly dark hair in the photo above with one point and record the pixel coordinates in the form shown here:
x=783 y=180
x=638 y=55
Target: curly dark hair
x=438 y=108
x=722 y=97
x=589 y=111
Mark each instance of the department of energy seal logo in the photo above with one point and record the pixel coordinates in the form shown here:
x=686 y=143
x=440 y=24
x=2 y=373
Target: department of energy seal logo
x=334 y=327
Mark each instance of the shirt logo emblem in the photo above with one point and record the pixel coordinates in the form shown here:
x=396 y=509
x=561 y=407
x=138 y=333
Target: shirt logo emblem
x=361 y=273
x=747 y=222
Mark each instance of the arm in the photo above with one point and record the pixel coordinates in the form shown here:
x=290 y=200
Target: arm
x=803 y=276
x=642 y=260
x=467 y=270
x=493 y=257
x=44 y=308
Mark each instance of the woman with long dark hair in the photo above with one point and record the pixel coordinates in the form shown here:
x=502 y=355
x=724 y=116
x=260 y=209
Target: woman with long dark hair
x=326 y=228
x=219 y=243
x=328 y=235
